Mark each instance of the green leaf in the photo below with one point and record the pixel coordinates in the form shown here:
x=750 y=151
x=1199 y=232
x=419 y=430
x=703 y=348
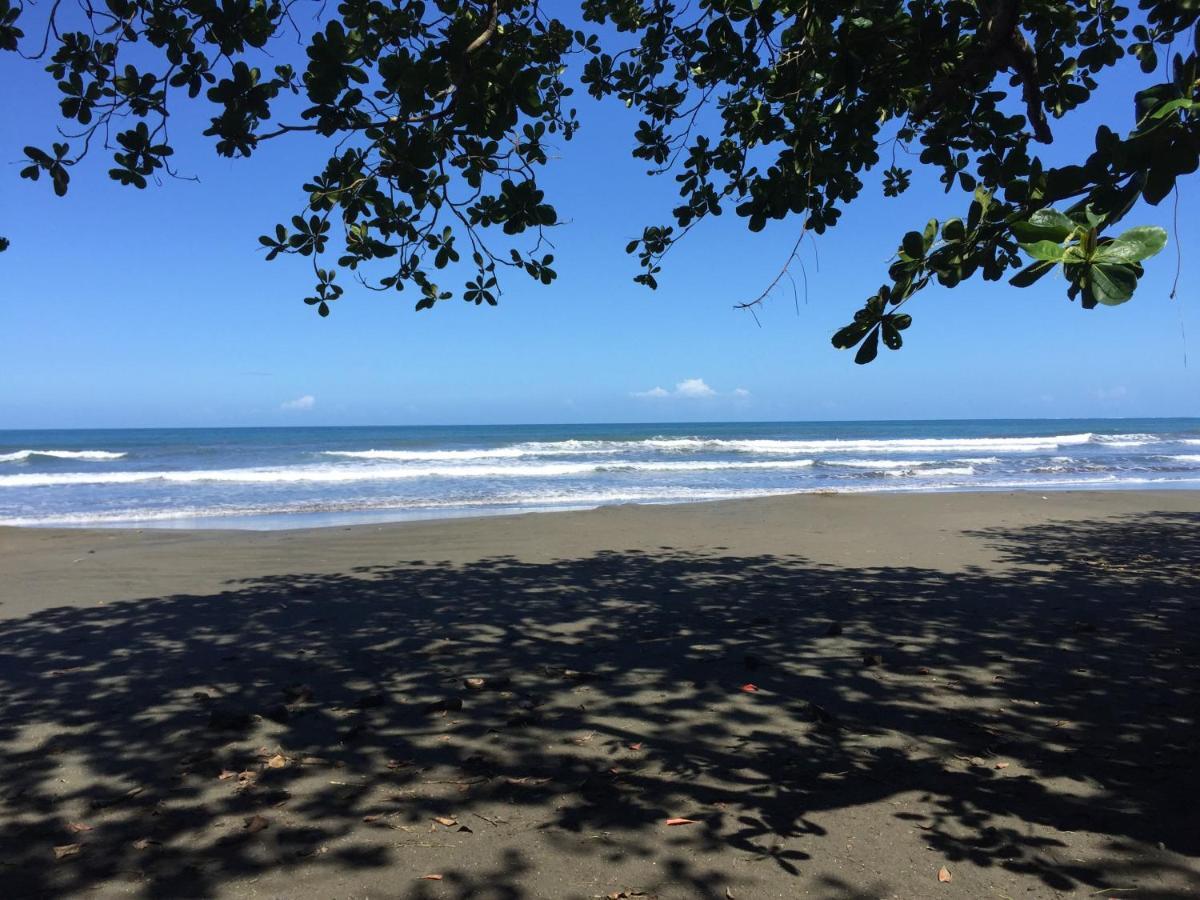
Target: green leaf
x=1047 y=251
x=913 y=245
x=891 y=336
x=1133 y=245
x=1159 y=182
x=1044 y=225
x=869 y=349
x=1031 y=274
x=847 y=337
x=1171 y=106
x=1112 y=285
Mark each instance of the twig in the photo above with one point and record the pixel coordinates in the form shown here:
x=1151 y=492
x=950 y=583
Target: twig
x=492 y=822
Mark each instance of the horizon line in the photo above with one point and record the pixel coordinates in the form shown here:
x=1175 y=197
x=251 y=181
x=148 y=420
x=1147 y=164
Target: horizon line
x=582 y=424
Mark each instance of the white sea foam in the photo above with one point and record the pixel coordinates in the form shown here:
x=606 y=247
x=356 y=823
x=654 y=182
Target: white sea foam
x=927 y=473
x=701 y=466
x=381 y=483
x=898 y=445
x=1126 y=440
x=344 y=474
x=925 y=445
x=274 y=515
x=873 y=464
x=293 y=474
x=720 y=445
x=97 y=455
x=503 y=502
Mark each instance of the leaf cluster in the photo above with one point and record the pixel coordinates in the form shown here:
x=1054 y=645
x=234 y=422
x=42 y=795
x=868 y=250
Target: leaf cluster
x=441 y=114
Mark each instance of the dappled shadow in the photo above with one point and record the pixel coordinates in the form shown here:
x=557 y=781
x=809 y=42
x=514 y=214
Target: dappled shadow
x=1038 y=719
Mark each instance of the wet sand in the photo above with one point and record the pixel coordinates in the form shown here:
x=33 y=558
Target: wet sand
x=844 y=694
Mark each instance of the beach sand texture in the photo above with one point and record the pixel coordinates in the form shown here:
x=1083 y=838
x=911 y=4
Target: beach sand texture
x=845 y=695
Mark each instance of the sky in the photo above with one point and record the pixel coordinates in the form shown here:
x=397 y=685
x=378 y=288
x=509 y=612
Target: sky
x=125 y=308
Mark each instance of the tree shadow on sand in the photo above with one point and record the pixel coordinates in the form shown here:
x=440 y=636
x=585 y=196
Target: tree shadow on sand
x=318 y=726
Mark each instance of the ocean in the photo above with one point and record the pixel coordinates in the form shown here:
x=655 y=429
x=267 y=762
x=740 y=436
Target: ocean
x=300 y=477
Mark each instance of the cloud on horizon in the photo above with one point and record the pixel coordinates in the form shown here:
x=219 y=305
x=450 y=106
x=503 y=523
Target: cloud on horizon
x=308 y=401
x=688 y=389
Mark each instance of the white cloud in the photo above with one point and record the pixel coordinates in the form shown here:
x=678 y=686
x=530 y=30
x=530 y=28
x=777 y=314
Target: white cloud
x=689 y=389
x=694 y=387
x=308 y=401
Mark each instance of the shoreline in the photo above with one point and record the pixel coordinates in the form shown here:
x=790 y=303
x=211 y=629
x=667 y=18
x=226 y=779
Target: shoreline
x=365 y=517
x=47 y=562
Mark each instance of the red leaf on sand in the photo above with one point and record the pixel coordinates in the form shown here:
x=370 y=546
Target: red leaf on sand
x=944 y=875
x=637 y=746
x=431 y=877
x=679 y=821
x=749 y=688
x=78 y=827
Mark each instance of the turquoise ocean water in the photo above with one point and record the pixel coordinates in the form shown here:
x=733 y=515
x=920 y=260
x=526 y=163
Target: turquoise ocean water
x=299 y=477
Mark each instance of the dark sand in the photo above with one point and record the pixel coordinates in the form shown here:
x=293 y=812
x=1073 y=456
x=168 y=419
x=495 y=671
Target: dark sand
x=1013 y=694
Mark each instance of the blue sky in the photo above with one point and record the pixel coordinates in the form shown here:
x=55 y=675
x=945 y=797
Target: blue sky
x=153 y=308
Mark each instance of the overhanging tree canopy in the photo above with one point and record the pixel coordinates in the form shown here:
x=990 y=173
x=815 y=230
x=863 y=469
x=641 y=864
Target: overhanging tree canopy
x=439 y=115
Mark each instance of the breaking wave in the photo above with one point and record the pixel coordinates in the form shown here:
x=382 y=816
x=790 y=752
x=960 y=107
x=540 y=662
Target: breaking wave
x=97 y=455
x=345 y=474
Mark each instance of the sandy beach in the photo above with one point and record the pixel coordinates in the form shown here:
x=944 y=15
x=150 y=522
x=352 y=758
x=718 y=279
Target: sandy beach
x=851 y=696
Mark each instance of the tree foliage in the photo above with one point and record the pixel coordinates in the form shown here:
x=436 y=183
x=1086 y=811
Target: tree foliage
x=440 y=115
